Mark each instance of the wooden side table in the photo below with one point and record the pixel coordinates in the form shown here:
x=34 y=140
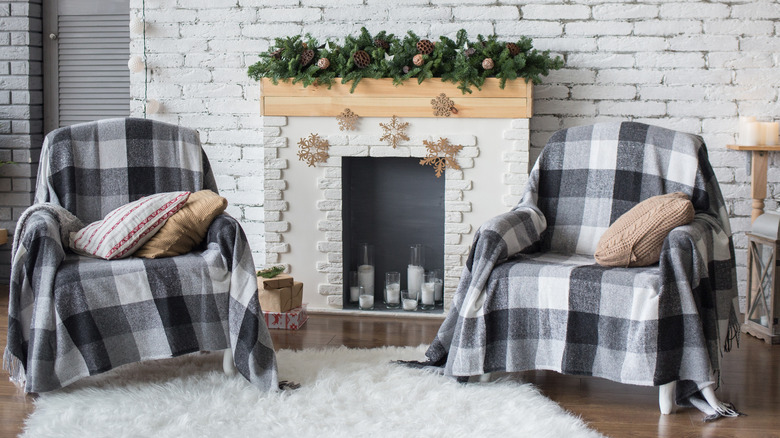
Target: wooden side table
x=759 y=160
x=3 y=236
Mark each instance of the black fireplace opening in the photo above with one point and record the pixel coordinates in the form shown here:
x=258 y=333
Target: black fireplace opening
x=390 y=203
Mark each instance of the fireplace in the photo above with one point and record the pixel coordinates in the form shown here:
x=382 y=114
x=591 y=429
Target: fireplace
x=312 y=228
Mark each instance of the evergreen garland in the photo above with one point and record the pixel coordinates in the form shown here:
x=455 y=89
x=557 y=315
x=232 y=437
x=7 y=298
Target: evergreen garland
x=459 y=61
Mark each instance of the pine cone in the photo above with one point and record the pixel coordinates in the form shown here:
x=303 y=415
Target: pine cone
x=470 y=52
x=307 y=56
x=418 y=60
x=425 y=47
x=381 y=43
x=362 y=59
x=323 y=63
x=276 y=54
x=488 y=64
x=514 y=49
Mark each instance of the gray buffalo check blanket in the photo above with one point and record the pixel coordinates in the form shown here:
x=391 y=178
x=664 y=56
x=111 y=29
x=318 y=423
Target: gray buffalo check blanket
x=531 y=296
x=72 y=316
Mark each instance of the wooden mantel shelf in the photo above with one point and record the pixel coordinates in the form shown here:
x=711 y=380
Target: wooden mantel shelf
x=380 y=98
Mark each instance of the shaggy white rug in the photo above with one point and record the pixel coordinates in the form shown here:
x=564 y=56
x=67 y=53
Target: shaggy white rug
x=344 y=392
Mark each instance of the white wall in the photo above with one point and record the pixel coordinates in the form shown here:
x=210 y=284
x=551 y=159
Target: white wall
x=688 y=65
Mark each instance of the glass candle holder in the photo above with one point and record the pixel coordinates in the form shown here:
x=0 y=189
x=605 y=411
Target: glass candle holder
x=438 y=291
x=427 y=292
x=365 y=269
x=366 y=300
x=409 y=300
x=393 y=290
x=354 y=287
x=415 y=273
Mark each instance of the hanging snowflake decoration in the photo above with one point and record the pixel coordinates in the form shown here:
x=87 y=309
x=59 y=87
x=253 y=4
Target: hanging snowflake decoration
x=313 y=150
x=394 y=131
x=441 y=155
x=443 y=106
x=347 y=120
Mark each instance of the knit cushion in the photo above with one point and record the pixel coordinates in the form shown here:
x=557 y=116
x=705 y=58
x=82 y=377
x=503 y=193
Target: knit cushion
x=186 y=229
x=636 y=237
x=127 y=228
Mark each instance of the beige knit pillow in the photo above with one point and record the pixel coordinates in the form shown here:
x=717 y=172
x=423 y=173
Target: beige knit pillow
x=636 y=237
x=186 y=229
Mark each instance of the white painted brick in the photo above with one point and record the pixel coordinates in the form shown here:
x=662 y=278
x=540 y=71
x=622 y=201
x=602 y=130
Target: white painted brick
x=470 y=13
x=289 y=14
x=761 y=10
x=631 y=44
x=739 y=27
x=667 y=27
x=697 y=93
x=622 y=92
x=703 y=43
x=555 y=12
x=671 y=60
x=613 y=11
x=632 y=108
x=566 y=44
x=700 y=10
x=537 y=28
x=594 y=28
x=433 y=14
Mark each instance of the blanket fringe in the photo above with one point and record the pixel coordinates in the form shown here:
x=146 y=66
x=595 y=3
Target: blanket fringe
x=15 y=368
x=287 y=385
x=732 y=334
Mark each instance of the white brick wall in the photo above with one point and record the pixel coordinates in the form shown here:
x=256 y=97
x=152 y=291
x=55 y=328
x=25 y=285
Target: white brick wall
x=688 y=65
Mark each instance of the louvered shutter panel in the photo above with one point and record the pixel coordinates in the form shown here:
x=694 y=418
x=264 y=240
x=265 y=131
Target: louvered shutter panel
x=93 y=46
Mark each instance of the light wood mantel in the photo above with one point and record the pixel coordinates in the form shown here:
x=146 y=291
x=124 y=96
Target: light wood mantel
x=380 y=98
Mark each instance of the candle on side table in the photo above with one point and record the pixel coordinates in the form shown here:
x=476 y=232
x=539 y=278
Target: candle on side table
x=366 y=302
x=770 y=133
x=410 y=304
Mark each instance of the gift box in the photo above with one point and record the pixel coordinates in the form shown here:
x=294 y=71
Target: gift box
x=276 y=300
x=297 y=295
x=277 y=282
x=292 y=320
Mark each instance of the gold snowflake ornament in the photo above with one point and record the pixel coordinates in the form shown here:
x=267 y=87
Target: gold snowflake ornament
x=443 y=106
x=394 y=131
x=313 y=150
x=347 y=120
x=441 y=155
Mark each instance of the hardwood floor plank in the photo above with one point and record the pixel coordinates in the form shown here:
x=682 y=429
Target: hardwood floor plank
x=750 y=380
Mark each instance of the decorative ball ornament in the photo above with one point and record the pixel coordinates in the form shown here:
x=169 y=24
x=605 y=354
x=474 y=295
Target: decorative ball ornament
x=135 y=64
x=470 y=52
x=323 y=63
x=153 y=106
x=136 y=25
x=361 y=58
x=488 y=64
x=405 y=69
x=425 y=47
x=514 y=49
x=381 y=43
x=418 y=60
x=307 y=56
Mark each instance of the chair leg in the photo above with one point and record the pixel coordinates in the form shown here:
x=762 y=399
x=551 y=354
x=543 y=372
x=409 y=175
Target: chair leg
x=485 y=378
x=720 y=407
x=227 y=363
x=666 y=397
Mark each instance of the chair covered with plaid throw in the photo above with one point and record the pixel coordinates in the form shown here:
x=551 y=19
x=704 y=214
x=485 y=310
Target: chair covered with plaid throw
x=72 y=316
x=531 y=296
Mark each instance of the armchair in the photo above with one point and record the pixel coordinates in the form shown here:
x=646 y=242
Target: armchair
x=72 y=316
x=532 y=297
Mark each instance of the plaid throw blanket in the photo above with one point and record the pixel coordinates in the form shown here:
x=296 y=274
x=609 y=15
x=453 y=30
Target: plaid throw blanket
x=532 y=297
x=72 y=316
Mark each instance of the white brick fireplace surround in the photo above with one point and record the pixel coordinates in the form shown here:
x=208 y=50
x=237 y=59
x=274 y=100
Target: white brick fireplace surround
x=303 y=217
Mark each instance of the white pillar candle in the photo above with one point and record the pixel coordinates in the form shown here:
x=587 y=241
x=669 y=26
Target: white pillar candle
x=415 y=275
x=366 y=301
x=438 y=290
x=354 y=292
x=770 y=133
x=393 y=293
x=366 y=278
x=744 y=121
x=427 y=293
x=752 y=134
x=409 y=304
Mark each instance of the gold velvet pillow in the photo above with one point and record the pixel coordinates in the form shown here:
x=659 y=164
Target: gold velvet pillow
x=186 y=228
x=636 y=237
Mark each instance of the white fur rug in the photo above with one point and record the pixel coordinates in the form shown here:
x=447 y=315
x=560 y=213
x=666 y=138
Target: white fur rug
x=344 y=393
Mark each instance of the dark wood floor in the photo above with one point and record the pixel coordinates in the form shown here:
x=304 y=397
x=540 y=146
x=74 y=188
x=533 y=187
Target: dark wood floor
x=751 y=380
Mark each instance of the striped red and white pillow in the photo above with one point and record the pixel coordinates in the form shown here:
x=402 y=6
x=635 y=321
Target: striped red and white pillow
x=127 y=228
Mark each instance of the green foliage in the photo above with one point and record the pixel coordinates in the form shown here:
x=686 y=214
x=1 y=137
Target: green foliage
x=270 y=272
x=458 y=61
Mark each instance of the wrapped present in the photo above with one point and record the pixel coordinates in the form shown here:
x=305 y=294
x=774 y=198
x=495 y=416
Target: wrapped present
x=276 y=300
x=297 y=294
x=277 y=282
x=292 y=320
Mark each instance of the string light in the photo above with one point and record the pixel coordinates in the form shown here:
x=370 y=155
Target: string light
x=135 y=64
x=137 y=26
